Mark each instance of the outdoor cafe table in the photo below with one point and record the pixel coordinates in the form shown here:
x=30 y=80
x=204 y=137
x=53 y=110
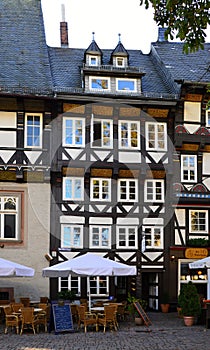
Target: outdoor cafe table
x=97 y=309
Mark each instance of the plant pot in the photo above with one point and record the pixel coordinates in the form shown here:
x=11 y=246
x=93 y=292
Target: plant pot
x=189 y=320
x=138 y=321
x=164 y=307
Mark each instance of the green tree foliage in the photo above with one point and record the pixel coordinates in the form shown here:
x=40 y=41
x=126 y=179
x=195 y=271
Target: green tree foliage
x=186 y=20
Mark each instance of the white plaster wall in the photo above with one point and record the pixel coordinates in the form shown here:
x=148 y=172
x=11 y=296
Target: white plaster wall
x=36 y=241
x=206 y=164
x=8 y=138
x=8 y=119
x=192 y=111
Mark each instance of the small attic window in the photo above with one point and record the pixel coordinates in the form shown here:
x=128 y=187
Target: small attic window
x=93 y=60
x=120 y=62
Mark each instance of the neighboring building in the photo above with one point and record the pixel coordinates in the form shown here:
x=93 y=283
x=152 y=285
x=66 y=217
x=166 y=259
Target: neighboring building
x=121 y=162
x=25 y=115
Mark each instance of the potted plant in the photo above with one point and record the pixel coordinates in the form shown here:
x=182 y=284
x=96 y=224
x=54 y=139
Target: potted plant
x=164 y=304
x=66 y=295
x=189 y=302
x=132 y=309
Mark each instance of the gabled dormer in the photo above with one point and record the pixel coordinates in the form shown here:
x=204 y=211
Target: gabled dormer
x=93 y=54
x=119 y=56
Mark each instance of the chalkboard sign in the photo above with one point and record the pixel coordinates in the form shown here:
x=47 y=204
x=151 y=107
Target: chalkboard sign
x=142 y=313
x=62 y=317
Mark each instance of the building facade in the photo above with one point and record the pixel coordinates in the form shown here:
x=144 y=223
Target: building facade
x=111 y=148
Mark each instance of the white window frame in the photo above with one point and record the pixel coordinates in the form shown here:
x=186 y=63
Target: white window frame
x=154 y=192
x=126 y=90
x=120 y=59
x=96 y=280
x=127 y=189
x=91 y=78
x=74 y=135
x=14 y=199
x=73 y=181
x=69 y=285
x=101 y=192
x=206 y=221
x=34 y=127
x=151 y=231
x=102 y=122
x=71 y=228
x=159 y=137
x=126 y=235
x=129 y=137
x=189 y=168
x=208 y=117
x=96 y=61
x=100 y=229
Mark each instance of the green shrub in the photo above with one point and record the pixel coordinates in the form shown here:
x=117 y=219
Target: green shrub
x=189 y=301
x=66 y=295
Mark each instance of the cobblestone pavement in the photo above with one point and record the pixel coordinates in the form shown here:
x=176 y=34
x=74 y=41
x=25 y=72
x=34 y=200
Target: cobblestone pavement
x=167 y=332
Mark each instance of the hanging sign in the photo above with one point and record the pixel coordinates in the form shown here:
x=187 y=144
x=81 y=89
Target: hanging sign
x=196 y=253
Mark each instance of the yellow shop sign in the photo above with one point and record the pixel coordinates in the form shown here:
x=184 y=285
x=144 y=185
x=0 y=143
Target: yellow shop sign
x=196 y=253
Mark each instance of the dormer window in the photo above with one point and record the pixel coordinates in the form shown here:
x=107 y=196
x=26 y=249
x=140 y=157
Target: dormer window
x=120 y=62
x=126 y=85
x=93 y=61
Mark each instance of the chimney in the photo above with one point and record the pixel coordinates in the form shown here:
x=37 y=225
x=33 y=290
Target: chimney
x=64 y=29
x=161 y=34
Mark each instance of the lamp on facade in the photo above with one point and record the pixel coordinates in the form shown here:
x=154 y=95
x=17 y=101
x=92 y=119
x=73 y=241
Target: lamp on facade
x=54 y=253
x=173 y=258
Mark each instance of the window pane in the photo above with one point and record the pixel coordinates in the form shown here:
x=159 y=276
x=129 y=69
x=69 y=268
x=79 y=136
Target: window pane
x=97 y=134
x=77 y=235
x=78 y=189
x=68 y=188
x=105 y=237
x=67 y=237
x=127 y=85
x=106 y=133
x=95 y=189
x=101 y=84
x=105 y=189
x=9 y=226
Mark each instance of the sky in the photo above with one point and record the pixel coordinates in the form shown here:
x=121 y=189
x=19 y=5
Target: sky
x=106 y=18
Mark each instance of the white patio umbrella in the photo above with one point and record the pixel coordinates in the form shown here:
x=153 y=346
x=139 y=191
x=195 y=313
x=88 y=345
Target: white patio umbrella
x=89 y=264
x=201 y=264
x=12 y=269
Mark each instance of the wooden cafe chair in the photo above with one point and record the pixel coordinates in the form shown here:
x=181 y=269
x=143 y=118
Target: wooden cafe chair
x=25 y=301
x=86 y=318
x=16 y=307
x=42 y=316
x=108 y=318
x=11 y=320
x=28 y=319
x=74 y=312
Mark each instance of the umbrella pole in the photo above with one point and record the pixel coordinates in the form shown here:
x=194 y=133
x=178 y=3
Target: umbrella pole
x=88 y=291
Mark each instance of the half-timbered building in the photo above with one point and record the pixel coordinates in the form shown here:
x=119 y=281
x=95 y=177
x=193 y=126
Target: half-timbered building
x=108 y=150
x=25 y=115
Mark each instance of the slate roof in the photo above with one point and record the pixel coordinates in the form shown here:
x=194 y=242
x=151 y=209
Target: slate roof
x=120 y=50
x=66 y=65
x=93 y=48
x=192 y=67
x=27 y=63
x=23 y=52
x=165 y=64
